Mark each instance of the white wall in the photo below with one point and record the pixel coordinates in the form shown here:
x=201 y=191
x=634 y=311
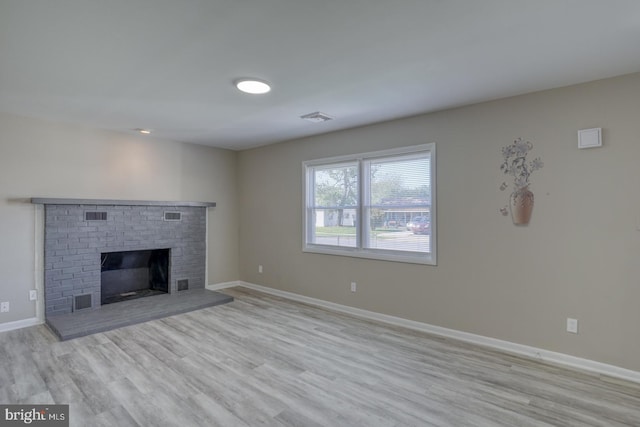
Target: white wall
x=43 y=159
x=579 y=257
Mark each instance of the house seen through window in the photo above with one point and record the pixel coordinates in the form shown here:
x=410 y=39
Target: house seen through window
x=377 y=205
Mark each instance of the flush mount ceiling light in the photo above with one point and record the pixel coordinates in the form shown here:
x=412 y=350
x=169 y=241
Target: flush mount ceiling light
x=252 y=86
x=143 y=131
x=317 y=117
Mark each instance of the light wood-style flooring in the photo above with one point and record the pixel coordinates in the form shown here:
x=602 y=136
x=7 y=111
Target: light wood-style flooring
x=262 y=360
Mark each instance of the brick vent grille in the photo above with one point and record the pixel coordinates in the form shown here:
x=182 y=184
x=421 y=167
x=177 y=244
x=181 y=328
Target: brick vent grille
x=95 y=216
x=81 y=302
x=183 y=285
x=173 y=216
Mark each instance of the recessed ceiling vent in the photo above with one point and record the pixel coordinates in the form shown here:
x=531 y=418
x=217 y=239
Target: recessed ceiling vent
x=317 y=117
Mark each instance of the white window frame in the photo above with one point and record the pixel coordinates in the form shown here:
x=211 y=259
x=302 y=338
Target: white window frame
x=360 y=251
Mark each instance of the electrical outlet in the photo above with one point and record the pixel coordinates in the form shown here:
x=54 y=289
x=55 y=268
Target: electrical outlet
x=260 y=269
x=353 y=286
x=4 y=307
x=33 y=295
x=572 y=325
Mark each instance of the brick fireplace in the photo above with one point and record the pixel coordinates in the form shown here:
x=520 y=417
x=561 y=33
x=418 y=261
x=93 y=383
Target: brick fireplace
x=78 y=234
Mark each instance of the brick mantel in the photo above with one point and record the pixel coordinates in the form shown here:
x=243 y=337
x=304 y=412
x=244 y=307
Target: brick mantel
x=115 y=202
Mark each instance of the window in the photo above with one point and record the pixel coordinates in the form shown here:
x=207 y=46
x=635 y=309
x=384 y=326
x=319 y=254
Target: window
x=378 y=205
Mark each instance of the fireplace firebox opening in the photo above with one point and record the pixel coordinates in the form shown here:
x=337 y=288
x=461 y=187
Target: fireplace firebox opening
x=133 y=274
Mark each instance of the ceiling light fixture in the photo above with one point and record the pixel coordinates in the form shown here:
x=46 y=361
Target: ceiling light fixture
x=143 y=131
x=253 y=86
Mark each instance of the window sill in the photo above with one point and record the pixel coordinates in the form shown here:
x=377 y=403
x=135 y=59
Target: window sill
x=392 y=256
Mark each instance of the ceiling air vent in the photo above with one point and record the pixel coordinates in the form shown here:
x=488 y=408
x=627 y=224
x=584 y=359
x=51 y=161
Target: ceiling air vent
x=173 y=216
x=317 y=117
x=95 y=216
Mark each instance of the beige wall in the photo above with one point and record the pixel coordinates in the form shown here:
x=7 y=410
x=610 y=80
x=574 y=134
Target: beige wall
x=42 y=159
x=579 y=257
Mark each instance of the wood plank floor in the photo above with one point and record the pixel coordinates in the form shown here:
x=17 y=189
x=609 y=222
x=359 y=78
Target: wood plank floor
x=262 y=360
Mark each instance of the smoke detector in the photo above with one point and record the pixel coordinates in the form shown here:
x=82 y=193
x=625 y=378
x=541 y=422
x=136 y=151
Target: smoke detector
x=317 y=117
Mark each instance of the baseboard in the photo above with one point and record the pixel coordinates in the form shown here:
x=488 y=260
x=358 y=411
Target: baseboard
x=506 y=346
x=18 y=324
x=224 y=285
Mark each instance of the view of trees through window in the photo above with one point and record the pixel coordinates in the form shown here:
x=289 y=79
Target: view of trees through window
x=391 y=194
x=336 y=204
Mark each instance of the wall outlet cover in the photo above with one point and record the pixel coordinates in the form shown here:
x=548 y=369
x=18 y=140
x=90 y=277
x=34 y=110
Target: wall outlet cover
x=572 y=325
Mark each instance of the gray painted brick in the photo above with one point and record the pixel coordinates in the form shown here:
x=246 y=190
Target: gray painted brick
x=73 y=246
x=63 y=264
x=72 y=258
x=72 y=270
x=78 y=245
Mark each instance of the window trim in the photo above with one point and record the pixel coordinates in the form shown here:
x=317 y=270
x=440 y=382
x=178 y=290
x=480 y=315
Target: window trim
x=359 y=251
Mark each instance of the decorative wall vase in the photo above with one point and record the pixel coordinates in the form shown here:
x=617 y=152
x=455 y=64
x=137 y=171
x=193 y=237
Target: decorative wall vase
x=521 y=206
x=516 y=165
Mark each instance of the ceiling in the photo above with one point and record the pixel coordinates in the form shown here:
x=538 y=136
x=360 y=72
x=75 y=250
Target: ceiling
x=169 y=65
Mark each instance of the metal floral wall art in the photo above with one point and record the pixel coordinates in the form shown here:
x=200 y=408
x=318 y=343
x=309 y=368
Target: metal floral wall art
x=515 y=164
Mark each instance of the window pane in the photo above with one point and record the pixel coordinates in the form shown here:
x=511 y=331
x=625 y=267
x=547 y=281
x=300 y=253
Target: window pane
x=398 y=235
x=399 y=212
x=335 y=197
x=336 y=186
x=400 y=181
x=328 y=229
